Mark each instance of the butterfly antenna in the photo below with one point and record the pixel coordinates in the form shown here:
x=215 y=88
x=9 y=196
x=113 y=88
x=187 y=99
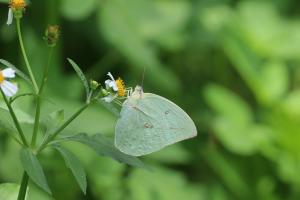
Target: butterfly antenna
x=143 y=77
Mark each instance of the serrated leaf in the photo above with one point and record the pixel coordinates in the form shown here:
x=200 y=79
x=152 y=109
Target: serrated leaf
x=104 y=146
x=9 y=191
x=19 y=72
x=110 y=107
x=81 y=76
x=73 y=163
x=34 y=169
x=52 y=121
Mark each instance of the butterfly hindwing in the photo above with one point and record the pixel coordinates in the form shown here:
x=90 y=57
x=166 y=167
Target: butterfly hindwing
x=150 y=123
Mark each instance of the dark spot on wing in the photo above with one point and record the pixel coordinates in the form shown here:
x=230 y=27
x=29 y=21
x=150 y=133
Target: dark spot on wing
x=148 y=125
x=167 y=112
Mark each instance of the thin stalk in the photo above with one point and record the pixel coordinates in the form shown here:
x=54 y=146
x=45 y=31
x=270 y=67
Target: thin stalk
x=53 y=136
x=15 y=119
x=20 y=95
x=25 y=56
x=46 y=70
x=36 y=121
x=38 y=100
x=23 y=188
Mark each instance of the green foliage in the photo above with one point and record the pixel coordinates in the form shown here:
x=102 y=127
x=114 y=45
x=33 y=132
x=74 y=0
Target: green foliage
x=81 y=76
x=34 y=169
x=75 y=165
x=9 y=191
x=232 y=65
x=104 y=147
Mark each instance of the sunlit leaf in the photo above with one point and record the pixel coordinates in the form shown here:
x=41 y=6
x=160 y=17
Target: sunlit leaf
x=9 y=191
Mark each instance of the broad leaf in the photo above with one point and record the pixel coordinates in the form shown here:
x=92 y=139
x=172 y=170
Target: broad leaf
x=105 y=147
x=34 y=169
x=81 y=76
x=9 y=191
x=75 y=165
x=19 y=72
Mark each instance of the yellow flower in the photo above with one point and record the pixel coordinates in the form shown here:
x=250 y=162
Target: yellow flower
x=16 y=9
x=17 y=4
x=121 y=87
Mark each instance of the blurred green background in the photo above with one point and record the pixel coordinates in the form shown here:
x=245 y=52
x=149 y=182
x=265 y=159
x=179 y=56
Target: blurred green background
x=233 y=65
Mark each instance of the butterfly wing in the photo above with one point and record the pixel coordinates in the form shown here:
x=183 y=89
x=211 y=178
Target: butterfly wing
x=150 y=123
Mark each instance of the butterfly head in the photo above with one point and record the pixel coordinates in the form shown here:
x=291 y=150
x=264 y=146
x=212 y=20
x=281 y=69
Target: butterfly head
x=138 y=92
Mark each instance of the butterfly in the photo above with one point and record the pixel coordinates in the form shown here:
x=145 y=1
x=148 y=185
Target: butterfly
x=149 y=122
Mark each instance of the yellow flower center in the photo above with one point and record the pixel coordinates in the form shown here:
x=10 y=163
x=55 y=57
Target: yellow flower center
x=121 y=87
x=1 y=77
x=17 y=4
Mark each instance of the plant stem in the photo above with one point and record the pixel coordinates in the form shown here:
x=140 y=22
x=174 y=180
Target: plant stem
x=23 y=187
x=46 y=70
x=25 y=56
x=36 y=121
x=53 y=136
x=14 y=117
x=38 y=101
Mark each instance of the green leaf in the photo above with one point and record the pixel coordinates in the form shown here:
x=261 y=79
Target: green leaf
x=9 y=191
x=52 y=121
x=105 y=147
x=71 y=10
x=75 y=165
x=7 y=125
x=19 y=72
x=117 y=21
x=34 y=169
x=81 y=76
x=228 y=104
x=110 y=107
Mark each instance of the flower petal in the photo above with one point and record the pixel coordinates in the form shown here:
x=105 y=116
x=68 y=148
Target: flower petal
x=111 y=76
x=109 y=98
x=10 y=17
x=8 y=73
x=111 y=84
x=9 y=88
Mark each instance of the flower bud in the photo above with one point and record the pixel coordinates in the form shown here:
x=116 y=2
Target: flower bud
x=52 y=35
x=94 y=84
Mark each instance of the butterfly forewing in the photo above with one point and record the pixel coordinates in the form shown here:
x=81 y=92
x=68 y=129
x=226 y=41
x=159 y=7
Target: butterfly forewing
x=149 y=123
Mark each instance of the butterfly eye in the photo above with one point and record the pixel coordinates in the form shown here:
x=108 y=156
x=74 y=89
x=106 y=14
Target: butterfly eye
x=167 y=112
x=148 y=125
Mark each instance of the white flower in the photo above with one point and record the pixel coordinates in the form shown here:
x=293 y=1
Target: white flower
x=8 y=88
x=111 y=83
x=10 y=16
x=109 y=98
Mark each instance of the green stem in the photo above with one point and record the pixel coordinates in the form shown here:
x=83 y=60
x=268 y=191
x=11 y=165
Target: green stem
x=38 y=100
x=20 y=95
x=53 y=136
x=14 y=117
x=23 y=188
x=46 y=70
x=36 y=121
x=25 y=56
